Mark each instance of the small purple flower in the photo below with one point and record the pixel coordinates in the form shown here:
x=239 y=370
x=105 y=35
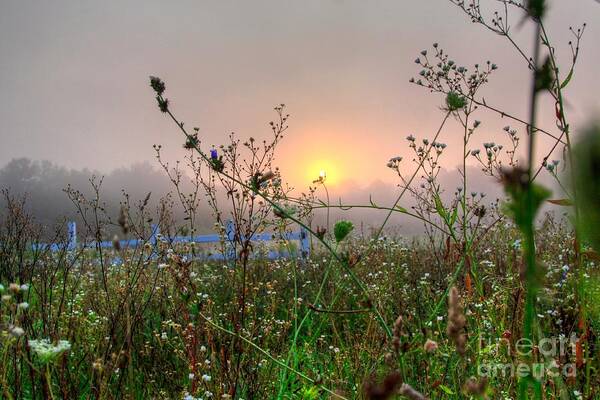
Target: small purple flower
x=213 y=154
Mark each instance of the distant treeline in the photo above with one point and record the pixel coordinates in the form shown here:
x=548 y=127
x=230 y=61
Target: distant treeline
x=43 y=183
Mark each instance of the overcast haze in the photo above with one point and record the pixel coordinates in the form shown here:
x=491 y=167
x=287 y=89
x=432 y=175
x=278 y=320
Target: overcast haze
x=74 y=77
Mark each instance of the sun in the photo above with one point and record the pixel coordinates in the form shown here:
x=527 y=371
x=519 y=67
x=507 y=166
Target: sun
x=324 y=170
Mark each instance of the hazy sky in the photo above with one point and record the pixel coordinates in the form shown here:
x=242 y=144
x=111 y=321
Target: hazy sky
x=74 y=74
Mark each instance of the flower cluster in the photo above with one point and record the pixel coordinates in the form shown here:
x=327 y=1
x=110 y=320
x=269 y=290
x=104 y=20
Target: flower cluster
x=443 y=75
x=47 y=352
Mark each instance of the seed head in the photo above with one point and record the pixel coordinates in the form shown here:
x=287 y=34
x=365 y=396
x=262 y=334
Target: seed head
x=16 y=331
x=430 y=346
x=158 y=85
x=163 y=104
x=456 y=322
x=476 y=387
x=385 y=389
x=411 y=393
x=342 y=229
x=191 y=142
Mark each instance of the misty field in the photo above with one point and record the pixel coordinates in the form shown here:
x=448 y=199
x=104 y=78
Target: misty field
x=144 y=326
x=235 y=285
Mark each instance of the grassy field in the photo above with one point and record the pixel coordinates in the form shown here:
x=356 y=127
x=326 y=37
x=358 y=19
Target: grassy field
x=143 y=326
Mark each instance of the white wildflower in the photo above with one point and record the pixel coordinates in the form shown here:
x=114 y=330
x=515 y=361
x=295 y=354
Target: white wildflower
x=48 y=352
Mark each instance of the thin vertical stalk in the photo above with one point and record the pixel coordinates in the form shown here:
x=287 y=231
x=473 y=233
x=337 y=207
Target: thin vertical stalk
x=529 y=230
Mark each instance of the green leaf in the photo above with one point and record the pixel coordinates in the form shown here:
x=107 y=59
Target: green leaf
x=446 y=389
x=453 y=217
x=567 y=79
x=561 y=202
x=439 y=207
x=401 y=209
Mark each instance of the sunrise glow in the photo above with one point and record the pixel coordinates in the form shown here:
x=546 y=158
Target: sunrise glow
x=324 y=170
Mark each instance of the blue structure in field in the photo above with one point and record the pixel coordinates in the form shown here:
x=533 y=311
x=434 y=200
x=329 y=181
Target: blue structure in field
x=301 y=236
x=71 y=235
